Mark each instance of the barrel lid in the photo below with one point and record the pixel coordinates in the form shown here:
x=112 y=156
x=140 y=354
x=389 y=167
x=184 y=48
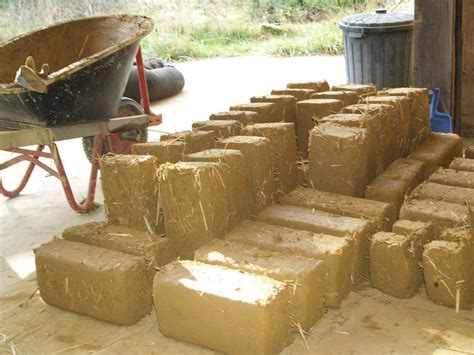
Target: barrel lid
x=378 y=21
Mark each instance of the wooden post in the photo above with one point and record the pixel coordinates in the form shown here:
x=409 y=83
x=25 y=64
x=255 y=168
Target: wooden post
x=458 y=68
x=434 y=48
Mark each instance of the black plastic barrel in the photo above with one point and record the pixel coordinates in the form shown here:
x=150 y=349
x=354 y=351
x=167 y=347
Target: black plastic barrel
x=378 y=48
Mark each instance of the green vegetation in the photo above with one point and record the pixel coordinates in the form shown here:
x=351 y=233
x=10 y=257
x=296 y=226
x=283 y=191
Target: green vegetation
x=188 y=29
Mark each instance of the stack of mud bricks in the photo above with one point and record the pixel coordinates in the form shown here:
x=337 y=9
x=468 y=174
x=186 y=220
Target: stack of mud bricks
x=193 y=200
x=140 y=212
x=281 y=137
x=260 y=287
x=105 y=269
x=418 y=112
x=250 y=141
x=448 y=261
x=261 y=272
x=396 y=258
x=432 y=242
x=299 y=257
x=259 y=163
x=337 y=146
x=308 y=113
x=265 y=111
x=172 y=147
x=230 y=168
x=357 y=147
x=399 y=179
x=404 y=174
x=336 y=215
x=402 y=261
x=338 y=158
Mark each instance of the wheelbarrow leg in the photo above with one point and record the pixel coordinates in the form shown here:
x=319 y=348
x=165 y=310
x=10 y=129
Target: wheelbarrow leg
x=85 y=205
x=143 y=86
x=26 y=177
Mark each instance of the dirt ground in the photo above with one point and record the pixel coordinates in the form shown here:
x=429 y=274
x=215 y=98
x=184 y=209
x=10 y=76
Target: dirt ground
x=369 y=321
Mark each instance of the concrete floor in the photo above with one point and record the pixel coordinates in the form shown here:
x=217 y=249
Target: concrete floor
x=42 y=212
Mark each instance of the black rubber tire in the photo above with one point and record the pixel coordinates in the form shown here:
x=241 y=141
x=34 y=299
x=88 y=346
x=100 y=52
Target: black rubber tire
x=162 y=82
x=126 y=105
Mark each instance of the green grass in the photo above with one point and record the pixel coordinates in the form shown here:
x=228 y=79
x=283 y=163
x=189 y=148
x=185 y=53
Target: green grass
x=190 y=29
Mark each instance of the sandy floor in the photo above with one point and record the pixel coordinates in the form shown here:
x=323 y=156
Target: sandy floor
x=368 y=322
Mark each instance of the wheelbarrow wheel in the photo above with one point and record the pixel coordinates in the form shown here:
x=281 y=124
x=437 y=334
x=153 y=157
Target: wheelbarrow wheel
x=119 y=143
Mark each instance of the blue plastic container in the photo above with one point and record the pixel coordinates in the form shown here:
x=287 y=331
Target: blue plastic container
x=439 y=121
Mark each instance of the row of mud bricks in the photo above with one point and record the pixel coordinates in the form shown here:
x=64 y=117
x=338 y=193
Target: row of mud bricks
x=242 y=235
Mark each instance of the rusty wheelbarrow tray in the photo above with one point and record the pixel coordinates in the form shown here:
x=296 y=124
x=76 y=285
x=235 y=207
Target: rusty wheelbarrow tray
x=90 y=60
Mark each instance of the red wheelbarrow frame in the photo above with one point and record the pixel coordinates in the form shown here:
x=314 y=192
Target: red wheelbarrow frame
x=106 y=128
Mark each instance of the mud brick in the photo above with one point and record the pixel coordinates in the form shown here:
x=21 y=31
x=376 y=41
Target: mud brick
x=448 y=271
x=193 y=203
x=130 y=190
x=308 y=113
x=194 y=141
x=244 y=117
x=438 y=150
x=394 y=266
x=359 y=121
x=379 y=214
x=155 y=248
x=222 y=309
x=221 y=128
x=388 y=190
x=234 y=177
x=453 y=177
x=422 y=230
x=286 y=104
x=164 y=152
x=377 y=120
x=317 y=86
x=105 y=284
x=469 y=152
x=433 y=191
x=462 y=164
x=345 y=119
x=391 y=118
x=334 y=252
x=298 y=94
x=267 y=111
x=409 y=170
x=359 y=231
x=304 y=274
x=402 y=107
x=257 y=153
x=347 y=97
x=338 y=159
x=421 y=233
x=361 y=90
x=443 y=215
x=398 y=180
x=459 y=234
x=283 y=146
x=419 y=111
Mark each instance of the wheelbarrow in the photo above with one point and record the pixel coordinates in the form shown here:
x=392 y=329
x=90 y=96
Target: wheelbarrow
x=77 y=93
